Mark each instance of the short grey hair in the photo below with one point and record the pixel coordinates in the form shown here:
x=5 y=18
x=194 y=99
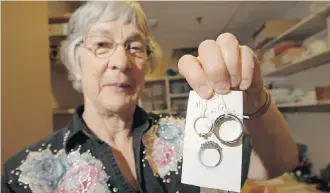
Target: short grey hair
x=87 y=15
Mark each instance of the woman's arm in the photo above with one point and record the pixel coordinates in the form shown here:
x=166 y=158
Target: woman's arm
x=274 y=150
x=223 y=64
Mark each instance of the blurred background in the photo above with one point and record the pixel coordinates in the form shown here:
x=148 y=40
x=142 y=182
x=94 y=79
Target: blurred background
x=291 y=38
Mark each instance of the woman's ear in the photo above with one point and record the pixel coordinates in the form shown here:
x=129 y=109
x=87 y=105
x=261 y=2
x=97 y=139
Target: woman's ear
x=79 y=65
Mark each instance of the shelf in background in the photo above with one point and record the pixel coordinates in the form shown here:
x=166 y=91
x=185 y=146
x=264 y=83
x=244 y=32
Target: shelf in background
x=303 y=64
x=63 y=111
x=154 y=79
x=179 y=95
x=56 y=39
x=63 y=18
x=305 y=107
x=175 y=77
x=305 y=28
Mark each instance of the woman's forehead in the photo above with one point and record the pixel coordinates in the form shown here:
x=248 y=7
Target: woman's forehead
x=114 y=29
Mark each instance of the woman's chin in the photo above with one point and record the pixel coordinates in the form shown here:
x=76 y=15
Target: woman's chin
x=118 y=104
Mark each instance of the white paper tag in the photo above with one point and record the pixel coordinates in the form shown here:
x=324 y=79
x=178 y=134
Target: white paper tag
x=227 y=175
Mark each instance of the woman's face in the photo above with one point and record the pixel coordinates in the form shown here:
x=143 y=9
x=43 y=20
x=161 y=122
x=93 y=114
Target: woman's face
x=113 y=64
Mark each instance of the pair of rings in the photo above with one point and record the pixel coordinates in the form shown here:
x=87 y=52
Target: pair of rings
x=204 y=127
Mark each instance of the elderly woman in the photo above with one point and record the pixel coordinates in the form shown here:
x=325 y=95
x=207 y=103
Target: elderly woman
x=103 y=148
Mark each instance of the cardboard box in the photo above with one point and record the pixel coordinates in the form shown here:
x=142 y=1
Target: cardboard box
x=292 y=54
x=270 y=30
x=285 y=45
x=288 y=56
x=322 y=93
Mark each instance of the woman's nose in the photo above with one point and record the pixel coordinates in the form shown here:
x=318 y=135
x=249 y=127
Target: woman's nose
x=119 y=59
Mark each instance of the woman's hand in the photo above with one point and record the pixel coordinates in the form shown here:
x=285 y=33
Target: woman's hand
x=224 y=65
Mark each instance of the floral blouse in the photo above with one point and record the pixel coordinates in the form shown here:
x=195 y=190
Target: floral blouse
x=73 y=160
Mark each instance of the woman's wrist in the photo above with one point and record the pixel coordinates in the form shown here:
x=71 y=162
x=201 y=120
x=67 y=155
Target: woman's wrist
x=259 y=105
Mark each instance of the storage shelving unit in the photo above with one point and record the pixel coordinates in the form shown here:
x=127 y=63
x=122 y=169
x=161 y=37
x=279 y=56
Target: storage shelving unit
x=174 y=92
x=62 y=18
x=62 y=89
x=303 y=29
x=307 y=27
x=55 y=40
x=305 y=107
x=301 y=64
x=179 y=95
x=63 y=111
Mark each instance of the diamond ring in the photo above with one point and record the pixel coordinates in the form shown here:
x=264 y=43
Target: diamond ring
x=205 y=148
x=203 y=127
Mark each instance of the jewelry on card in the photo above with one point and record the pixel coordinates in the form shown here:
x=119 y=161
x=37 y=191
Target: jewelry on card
x=203 y=126
x=210 y=145
x=234 y=133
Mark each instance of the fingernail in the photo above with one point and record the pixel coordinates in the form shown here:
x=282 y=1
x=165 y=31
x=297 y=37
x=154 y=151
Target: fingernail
x=244 y=84
x=205 y=91
x=221 y=87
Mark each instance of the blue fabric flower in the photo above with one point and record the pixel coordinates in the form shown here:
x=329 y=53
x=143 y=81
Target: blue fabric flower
x=49 y=171
x=170 y=133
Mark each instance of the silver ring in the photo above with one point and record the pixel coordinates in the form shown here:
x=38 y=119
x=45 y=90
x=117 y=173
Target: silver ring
x=206 y=134
x=210 y=145
x=222 y=119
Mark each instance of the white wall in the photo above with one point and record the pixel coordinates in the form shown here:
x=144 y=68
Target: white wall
x=312 y=129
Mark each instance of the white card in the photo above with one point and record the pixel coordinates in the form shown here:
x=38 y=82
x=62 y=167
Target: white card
x=226 y=176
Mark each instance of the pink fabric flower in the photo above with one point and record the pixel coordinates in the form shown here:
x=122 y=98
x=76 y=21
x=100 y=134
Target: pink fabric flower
x=80 y=178
x=163 y=153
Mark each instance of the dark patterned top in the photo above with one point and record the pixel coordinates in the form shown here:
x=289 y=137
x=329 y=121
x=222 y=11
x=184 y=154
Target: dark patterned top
x=74 y=160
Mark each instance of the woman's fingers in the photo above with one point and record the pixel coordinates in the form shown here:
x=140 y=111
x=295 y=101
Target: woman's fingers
x=190 y=67
x=231 y=55
x=214 y=66
x=248 y=65
x=221 y=65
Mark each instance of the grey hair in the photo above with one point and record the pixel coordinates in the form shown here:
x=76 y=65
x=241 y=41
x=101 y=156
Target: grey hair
x=87 y=15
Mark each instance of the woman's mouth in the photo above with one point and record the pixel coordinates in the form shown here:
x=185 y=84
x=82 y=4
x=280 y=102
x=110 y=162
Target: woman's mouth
x=119 y=87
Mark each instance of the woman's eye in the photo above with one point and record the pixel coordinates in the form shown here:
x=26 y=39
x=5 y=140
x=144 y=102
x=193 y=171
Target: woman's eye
x=104 y=44
x=103 y=47
x=137 y=47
